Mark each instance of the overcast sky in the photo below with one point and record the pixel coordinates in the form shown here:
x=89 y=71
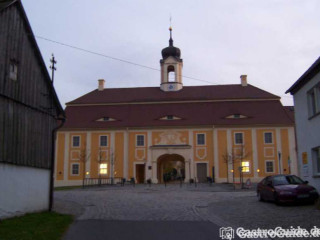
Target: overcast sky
x=272 y=41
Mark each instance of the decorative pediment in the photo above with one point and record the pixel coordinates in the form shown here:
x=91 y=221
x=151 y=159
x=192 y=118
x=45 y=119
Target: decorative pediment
x=170 y=138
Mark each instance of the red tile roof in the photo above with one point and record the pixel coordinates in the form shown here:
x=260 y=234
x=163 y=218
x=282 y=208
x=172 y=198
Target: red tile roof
x=154 y=94
x=260 y=107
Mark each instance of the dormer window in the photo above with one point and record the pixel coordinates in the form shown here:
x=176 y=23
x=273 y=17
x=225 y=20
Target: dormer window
x=170 y=117
x=106 y=119
x=236 y=116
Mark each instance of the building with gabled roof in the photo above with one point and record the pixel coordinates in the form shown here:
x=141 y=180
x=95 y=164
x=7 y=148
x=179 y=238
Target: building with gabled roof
x=30 y=114
x=175 y=132
x=306 y=95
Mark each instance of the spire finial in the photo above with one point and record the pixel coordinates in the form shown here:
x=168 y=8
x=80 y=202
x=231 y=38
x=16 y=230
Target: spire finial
x=170 y=29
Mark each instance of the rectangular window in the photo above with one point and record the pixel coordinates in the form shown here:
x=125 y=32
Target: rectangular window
x=103 y=168
x=201 y=139
x=103 y=141
x=268 y=137
x=75 y=169
x=140 y=140
x=76 y=141
x=314 y=100
x=316 y=160
x=13 y=70
x=269 y=167
x=238 y=138
x=245 y=167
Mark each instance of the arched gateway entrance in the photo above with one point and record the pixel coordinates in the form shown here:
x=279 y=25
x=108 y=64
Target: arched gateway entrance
x=171 y=168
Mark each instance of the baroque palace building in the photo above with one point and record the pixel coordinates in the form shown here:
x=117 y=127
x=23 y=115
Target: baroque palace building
x=175 y=132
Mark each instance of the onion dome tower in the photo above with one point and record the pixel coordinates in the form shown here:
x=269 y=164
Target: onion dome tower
x=171 y=67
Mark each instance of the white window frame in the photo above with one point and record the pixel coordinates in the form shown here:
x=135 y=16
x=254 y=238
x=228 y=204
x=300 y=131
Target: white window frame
x=144 y=140
x=205 y=138
x=79 y=141
x=72 y=174
x=315 y=90
x=273 y=166
x=249 y=167
x=264 y=137
x=99 y=166
x=100 y=140
x=235 y=142
x=316 y=160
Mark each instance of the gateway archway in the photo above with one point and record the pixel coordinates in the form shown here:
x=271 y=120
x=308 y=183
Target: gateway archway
x=170 y=167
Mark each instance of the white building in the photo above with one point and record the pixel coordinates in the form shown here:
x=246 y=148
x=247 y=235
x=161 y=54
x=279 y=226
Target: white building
x=306 y=93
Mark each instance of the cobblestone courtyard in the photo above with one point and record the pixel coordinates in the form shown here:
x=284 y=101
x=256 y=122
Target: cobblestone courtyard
x=218 y=204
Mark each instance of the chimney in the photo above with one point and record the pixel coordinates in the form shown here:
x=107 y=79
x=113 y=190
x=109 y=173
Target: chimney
x=101 y=84
x=243 y=80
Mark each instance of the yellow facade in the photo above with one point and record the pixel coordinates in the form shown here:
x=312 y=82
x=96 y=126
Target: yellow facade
x=139 y=153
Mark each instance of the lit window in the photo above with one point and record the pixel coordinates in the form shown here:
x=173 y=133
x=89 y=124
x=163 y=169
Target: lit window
x=13 y=70
x=103 y=141
x=269 y=167
x=201 y=139
x=238 y=138
x=314 y=100
x=140 y=140
x=75 y=169
x=103 y=168
x=245 y=167
x=316 y=160
x=76 y=141
x=268 y=137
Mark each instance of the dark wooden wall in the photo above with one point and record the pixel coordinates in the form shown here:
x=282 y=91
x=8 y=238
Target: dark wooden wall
x=28 y=111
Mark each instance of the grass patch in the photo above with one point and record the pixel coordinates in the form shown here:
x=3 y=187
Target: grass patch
x=66 y=188
x=35 y=226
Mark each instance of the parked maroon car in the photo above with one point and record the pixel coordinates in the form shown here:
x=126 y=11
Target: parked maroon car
x=286 y=188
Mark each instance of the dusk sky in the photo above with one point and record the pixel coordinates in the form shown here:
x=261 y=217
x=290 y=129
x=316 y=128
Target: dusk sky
x=274 y=42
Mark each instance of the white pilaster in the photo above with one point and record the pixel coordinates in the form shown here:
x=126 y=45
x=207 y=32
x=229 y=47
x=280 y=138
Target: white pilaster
x=149 y=158
x=255 y=152
x=66 y=157
x=216 y=154
x=229 y=150
x=112 y=153
x=191 y=170
x=279 y=149
x=125 y=154
x=88 y=151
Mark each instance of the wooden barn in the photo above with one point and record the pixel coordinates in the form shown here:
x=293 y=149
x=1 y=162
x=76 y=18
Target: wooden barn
x=30 y=114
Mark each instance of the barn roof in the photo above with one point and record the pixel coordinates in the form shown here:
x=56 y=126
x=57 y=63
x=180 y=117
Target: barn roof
x=6 y=4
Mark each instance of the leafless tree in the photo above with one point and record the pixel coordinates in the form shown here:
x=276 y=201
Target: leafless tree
x=84 y=158
x=234 y=157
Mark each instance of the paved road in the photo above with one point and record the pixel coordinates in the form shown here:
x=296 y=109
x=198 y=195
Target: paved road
x=145 y=210
x=142 y=230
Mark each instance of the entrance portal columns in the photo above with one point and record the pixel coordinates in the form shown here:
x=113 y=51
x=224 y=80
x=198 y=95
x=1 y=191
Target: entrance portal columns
x=187 y=166
x=154 y=171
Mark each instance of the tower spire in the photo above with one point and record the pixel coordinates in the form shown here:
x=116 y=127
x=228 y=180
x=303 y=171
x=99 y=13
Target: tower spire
x=170 y=40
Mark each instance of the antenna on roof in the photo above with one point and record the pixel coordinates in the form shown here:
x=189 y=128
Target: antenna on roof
x=52 y=67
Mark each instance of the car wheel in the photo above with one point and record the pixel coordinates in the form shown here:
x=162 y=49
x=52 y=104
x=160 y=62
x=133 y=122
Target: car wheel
x=276 y=199
x=260 y=198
